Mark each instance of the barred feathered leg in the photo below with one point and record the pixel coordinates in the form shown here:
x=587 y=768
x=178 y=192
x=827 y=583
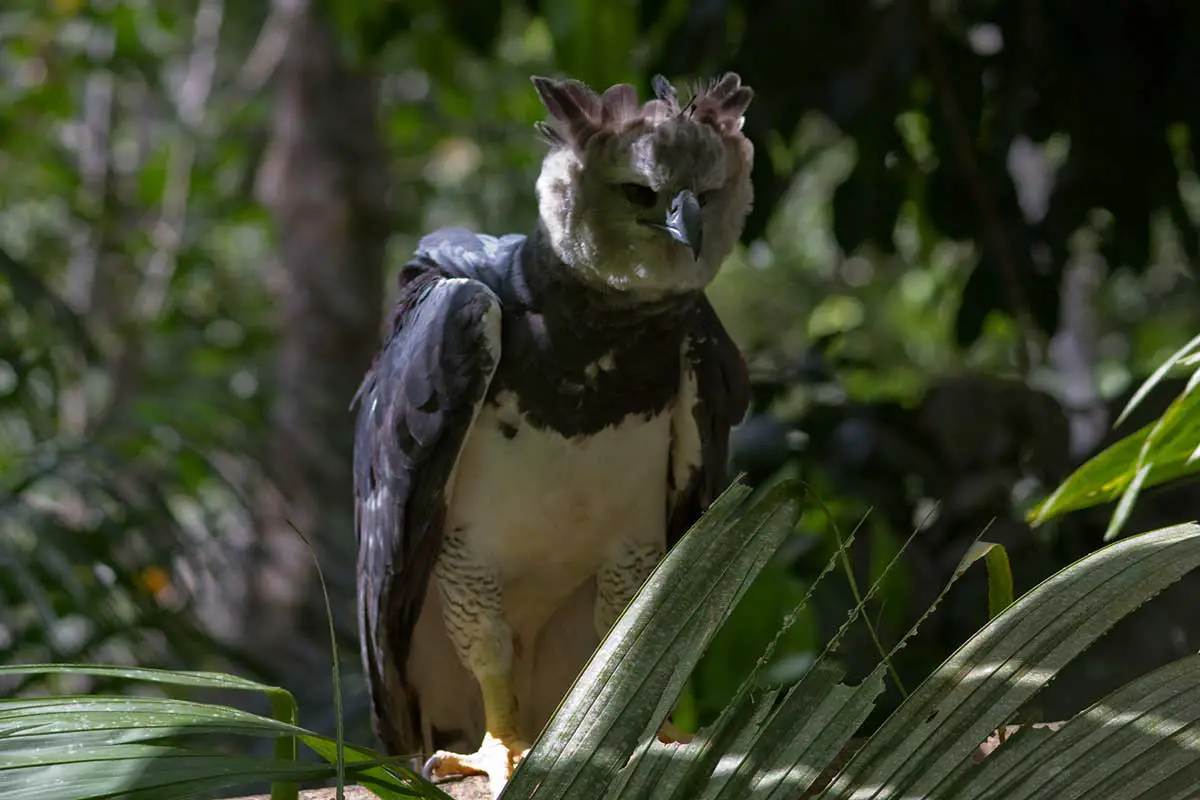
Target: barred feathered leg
x=473 y=610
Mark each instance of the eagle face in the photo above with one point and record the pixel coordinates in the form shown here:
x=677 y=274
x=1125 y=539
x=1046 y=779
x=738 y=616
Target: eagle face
x=645 y=199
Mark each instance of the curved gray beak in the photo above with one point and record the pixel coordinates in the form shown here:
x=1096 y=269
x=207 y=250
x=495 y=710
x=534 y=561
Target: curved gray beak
x=685 y=223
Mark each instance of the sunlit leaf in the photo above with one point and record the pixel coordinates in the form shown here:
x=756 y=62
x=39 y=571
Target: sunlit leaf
x=933 y=734
x=73 y=748
x=1160 y=452
x=192 y=678
x=999 y=571
x=1184 y=355
x=661 y=635
x=1138 y=742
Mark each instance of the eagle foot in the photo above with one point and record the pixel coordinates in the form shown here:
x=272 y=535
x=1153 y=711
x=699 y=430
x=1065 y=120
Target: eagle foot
x=497 y=758
x=668 y=733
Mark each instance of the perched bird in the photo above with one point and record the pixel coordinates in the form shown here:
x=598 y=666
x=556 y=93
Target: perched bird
x=548 y=414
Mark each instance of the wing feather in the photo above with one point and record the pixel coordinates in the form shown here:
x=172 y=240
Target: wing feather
x=416 y=406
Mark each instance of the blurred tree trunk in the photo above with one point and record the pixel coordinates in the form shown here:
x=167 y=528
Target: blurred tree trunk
x=324 y=181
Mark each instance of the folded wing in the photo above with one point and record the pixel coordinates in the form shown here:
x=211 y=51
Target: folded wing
x=416 y=406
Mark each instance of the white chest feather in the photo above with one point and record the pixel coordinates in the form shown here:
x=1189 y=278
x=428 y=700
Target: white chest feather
x=544 y=511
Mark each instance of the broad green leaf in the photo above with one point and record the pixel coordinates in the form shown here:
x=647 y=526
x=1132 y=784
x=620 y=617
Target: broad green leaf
x=37 y=725
x=140 y=770
x=999 y=572
x=817 y=719
x=712 y=762
x=812 y=723
x=1000 y=580
x=709 y=761
x=732 y=733
x=1150 y=452
x=935 y=731
x=1132 y=744
x=83 y=747
x=679 y=770
x=659 y=638
x=192 y=678
x=763 y=747
x=1163 y=451
x=752 y=627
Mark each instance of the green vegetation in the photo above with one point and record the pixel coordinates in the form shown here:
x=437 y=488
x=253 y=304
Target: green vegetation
x=770 y=741
x=975 y=233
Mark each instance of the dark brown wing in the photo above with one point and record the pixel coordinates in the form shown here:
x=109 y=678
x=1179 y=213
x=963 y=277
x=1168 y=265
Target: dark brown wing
x=416 y=406
x=717 y=387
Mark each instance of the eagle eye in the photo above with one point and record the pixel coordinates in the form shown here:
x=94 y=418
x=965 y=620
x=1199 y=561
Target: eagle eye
x=640 y=195
x=704 y=197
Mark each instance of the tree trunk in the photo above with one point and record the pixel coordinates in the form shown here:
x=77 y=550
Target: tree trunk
x=324 y=181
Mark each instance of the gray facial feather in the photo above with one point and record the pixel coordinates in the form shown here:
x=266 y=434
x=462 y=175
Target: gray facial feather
x=601 y=143
x=618 y=104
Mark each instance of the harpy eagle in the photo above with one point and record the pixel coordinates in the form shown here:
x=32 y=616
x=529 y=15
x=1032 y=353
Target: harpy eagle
x=548 y=414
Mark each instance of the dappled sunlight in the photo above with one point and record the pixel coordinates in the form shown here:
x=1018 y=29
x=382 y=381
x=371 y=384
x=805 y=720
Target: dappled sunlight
x=1145 y=722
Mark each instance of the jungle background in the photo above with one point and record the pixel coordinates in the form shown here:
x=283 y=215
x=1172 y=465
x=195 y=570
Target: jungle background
x=975 y=232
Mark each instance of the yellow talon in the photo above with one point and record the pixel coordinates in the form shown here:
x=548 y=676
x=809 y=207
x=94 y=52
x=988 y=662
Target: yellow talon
x=502 y=748
x=496 y=758
x=668 y=733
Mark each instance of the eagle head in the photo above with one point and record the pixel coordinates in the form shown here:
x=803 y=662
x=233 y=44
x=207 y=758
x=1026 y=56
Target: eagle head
x=647 y=199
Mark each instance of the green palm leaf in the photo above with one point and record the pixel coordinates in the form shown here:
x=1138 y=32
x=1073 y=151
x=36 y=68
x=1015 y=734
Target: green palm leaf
x=1140 y=742
x=768 y=745
x=617 y=701
x=78 y=748
x=1166 y=450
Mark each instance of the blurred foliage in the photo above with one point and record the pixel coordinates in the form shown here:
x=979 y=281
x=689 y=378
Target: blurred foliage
x=929 y=177
x=128 y=342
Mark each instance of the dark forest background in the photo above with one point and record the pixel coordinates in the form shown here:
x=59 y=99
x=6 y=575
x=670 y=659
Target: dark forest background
x=976 y=231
